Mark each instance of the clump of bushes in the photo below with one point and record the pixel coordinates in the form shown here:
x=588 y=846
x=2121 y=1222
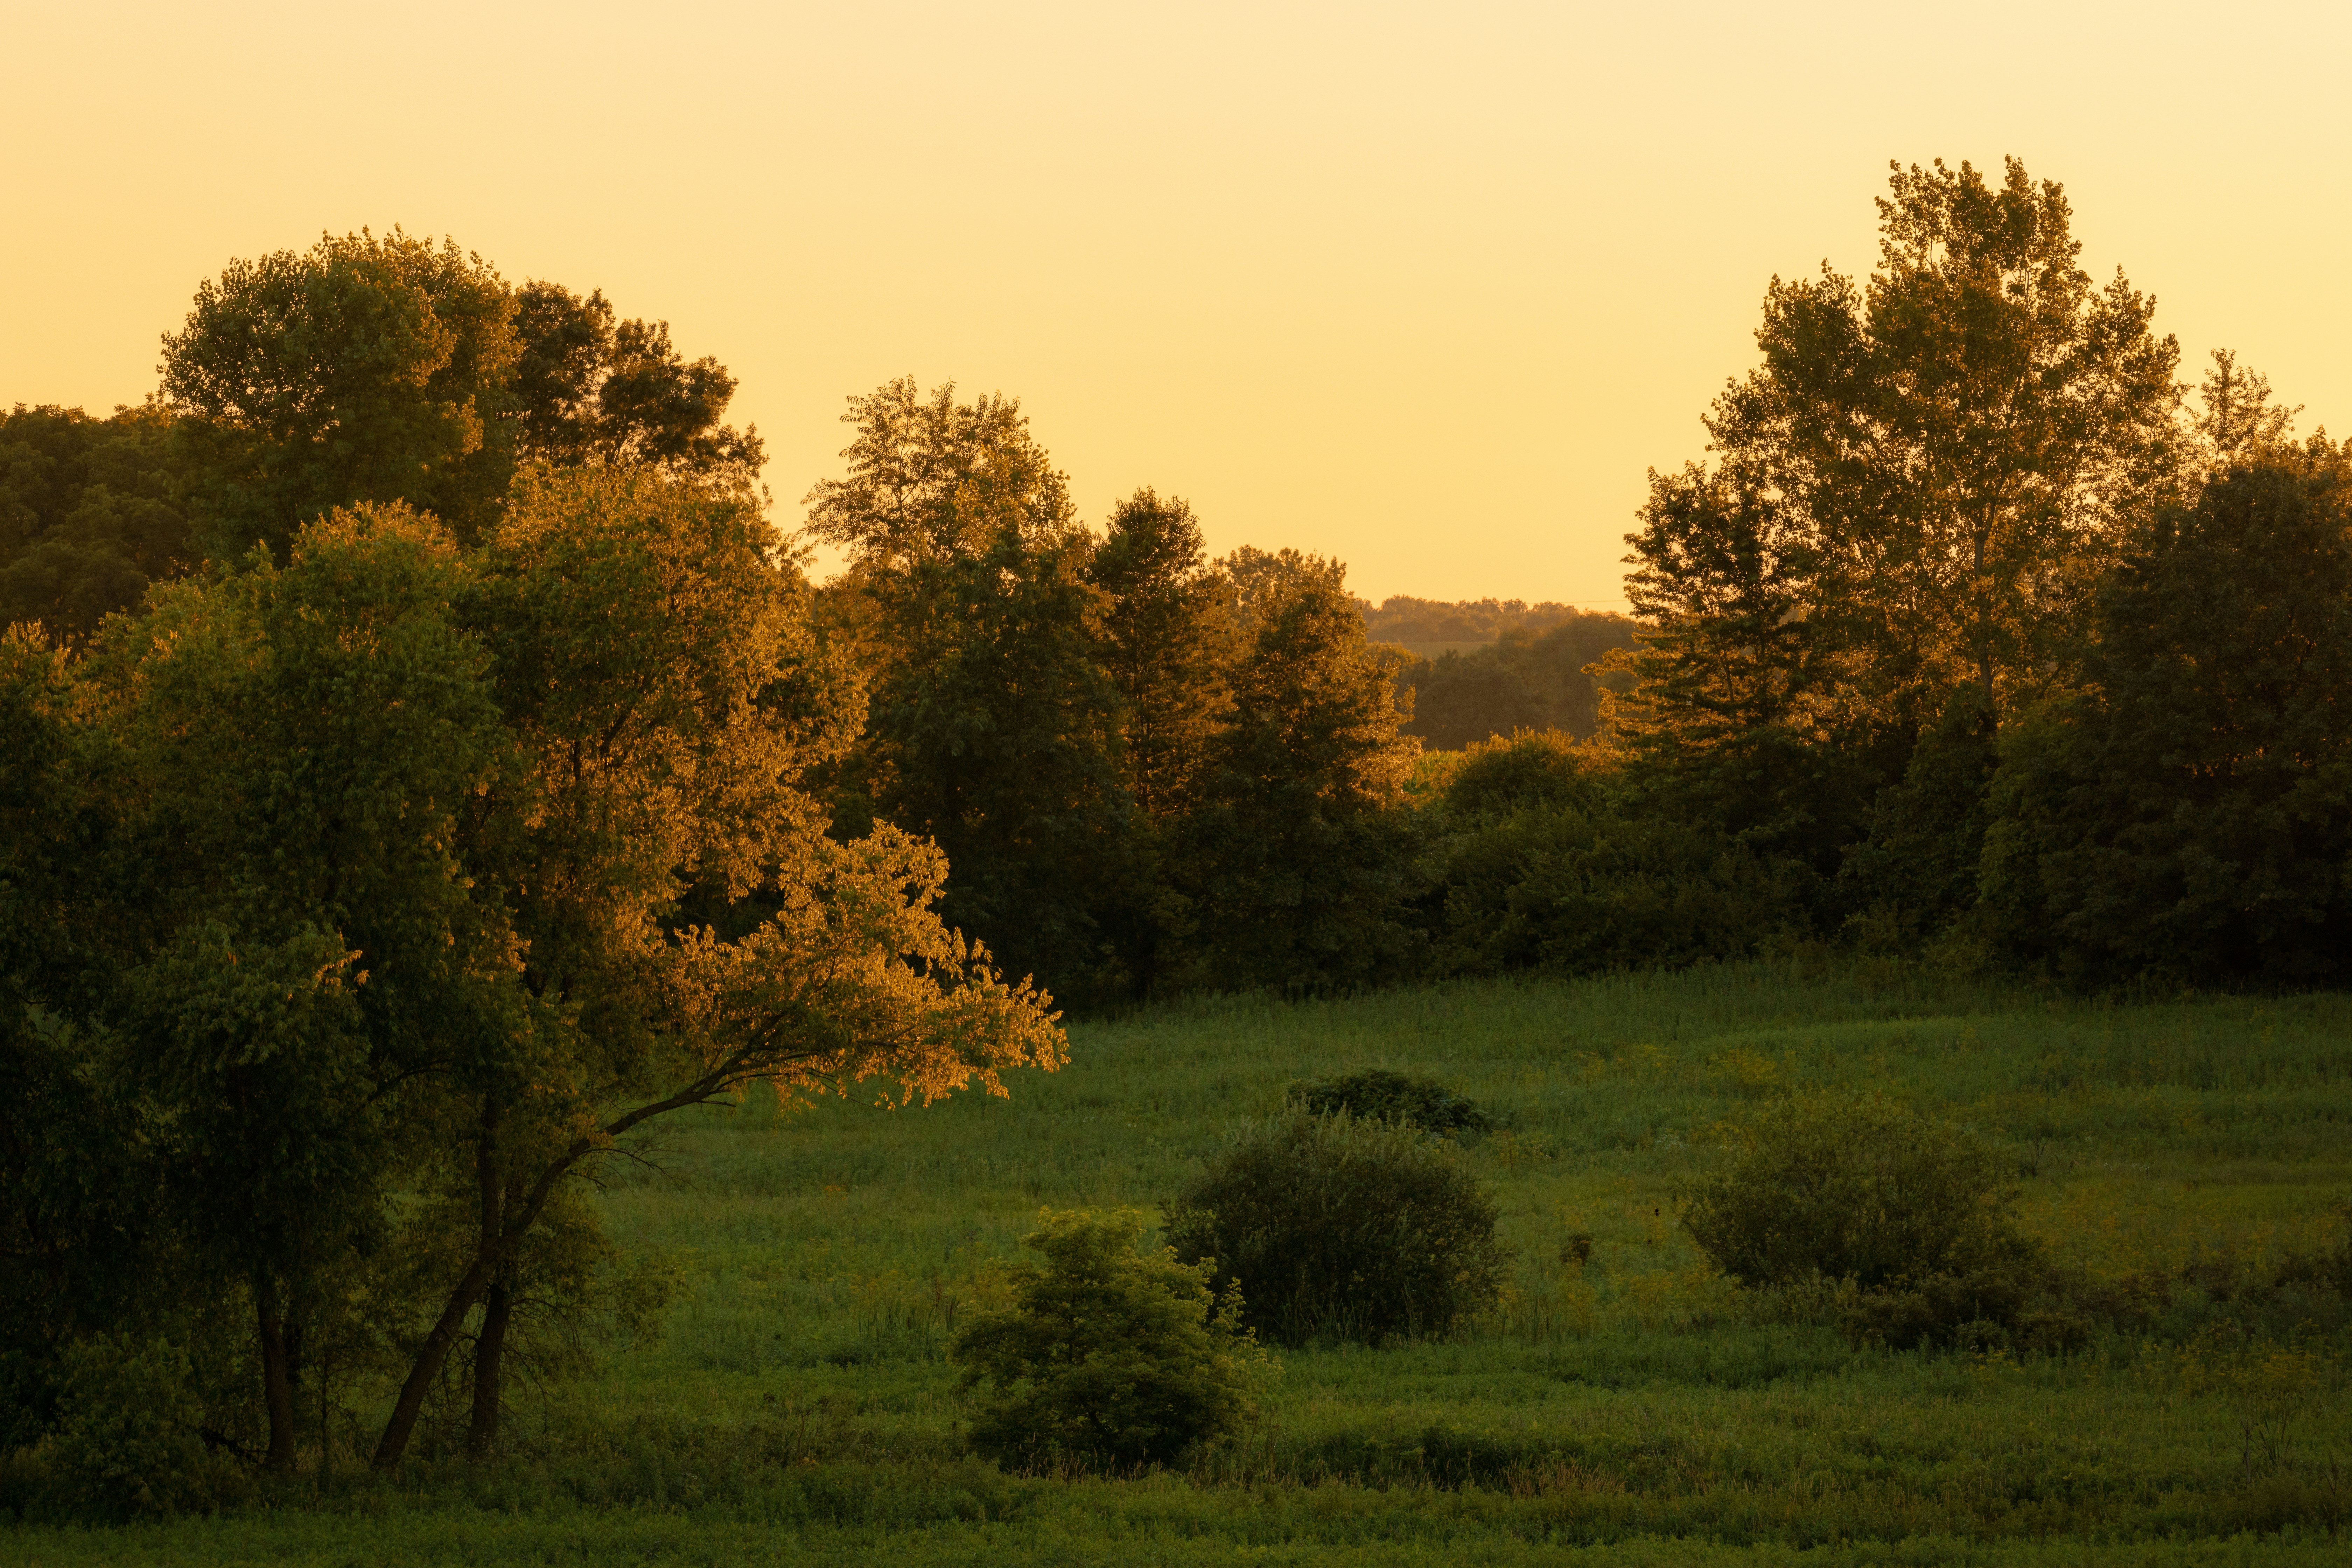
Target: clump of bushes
x=1903 y=1224
x=1109 y=1356
x=1379 y=1094
x=1341 y=1228
x=126 y=1442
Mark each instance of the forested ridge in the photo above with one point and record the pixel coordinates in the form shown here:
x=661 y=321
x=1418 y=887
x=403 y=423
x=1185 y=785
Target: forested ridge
x=427 y=763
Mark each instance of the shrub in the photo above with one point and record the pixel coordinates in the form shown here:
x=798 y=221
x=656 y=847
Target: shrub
x=1107 y=1356
x=126 y=1441
x=1853 y=1187
x=1343 y=1228
x=1380 y=1094
x=1908 y=1218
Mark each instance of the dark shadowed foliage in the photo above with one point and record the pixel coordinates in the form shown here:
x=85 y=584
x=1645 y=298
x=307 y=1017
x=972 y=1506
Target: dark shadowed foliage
x=1379 y=1094
x=1343 y=1229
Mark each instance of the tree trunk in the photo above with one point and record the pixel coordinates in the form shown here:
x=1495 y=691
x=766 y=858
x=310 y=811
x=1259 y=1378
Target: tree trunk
x=277 y=1378
x=430 y=1358
x=498 y=1306
x=491 y=1258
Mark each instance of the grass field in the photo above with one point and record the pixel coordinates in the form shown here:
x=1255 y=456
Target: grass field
x=797 y=1406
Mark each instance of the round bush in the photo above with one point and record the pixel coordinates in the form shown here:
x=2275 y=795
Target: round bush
x=1392 y=1097
x=1839 y=1186
x=1341 y=1229
x=1108 y=1356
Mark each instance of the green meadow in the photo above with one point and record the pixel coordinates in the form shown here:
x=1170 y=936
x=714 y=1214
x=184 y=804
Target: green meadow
x=796 y=1403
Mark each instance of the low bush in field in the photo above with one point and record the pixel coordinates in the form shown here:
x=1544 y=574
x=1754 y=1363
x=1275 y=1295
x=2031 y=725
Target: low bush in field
x=1380 y=1094
x=1108 y=1356
x=1906 y=1219
x=1343 y=1228
x=1858 y=1187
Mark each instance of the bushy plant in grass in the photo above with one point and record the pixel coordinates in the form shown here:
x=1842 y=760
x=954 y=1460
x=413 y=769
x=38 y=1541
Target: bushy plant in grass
x=126 y=1443
x=1378 y=1093
x=1343 y=1228
x=1911 y=1214
x=1109 y=1356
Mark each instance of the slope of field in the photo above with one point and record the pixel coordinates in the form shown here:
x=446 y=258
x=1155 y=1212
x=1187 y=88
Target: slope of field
x=797 y=1405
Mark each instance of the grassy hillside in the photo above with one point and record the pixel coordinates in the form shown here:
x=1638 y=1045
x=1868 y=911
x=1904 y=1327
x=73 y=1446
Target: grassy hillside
x=799 y=1386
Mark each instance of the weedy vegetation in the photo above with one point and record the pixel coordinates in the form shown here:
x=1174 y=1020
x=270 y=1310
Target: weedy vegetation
x=2177 y=1167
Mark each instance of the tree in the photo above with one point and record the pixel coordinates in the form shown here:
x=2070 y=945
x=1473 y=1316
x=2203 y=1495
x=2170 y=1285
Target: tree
x=1164 y=641
x=589 y=391
x=237 y=936
x=993 y=725
x=1294 y=865
x=77 y=1199
x=1913 y=493
x=657 y=670
x=1739 y=713
x=2189 y=811
x=364 y=369
x=1164 y=644
x=89 y=512
x=282 y=760
x=385 y=869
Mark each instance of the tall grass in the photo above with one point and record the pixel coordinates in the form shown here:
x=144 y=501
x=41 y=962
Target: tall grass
x=1621 y=1394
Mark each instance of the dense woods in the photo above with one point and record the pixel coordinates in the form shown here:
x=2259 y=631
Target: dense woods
x=425 y=763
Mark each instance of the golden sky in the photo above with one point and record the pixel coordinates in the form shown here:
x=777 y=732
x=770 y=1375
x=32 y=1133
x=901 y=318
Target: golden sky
x=1428 y=287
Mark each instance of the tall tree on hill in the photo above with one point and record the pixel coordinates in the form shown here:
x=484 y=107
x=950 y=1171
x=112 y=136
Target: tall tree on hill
x=993 y=726
x=1912 y=495
x=364 y=369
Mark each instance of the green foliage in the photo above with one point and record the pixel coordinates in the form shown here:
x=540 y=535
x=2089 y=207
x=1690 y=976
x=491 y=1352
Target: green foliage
x=1544 y=768
x=361 y=370
x=126 y=1443
x=992 y=725
x=90 y=511
x=1915 y=874
x=588 y=391
x=1165 y=642
x=1846 y=1186
x=2189 y=812
x=1107 y=1356
x=1377 y=1094
x=1915 y=492
x=1296 y=867
x=1544 y=857
x=1343 y=1229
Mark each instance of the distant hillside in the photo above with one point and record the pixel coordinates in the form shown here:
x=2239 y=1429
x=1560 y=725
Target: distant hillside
x=1408 y=620
x=1524 y=670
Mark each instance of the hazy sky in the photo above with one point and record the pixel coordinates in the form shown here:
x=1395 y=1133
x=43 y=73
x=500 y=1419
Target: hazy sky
x=1427 y=286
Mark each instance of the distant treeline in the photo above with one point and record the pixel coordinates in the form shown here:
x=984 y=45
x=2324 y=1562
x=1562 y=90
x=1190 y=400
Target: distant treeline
x=1527 y=678
x=1401 y=618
